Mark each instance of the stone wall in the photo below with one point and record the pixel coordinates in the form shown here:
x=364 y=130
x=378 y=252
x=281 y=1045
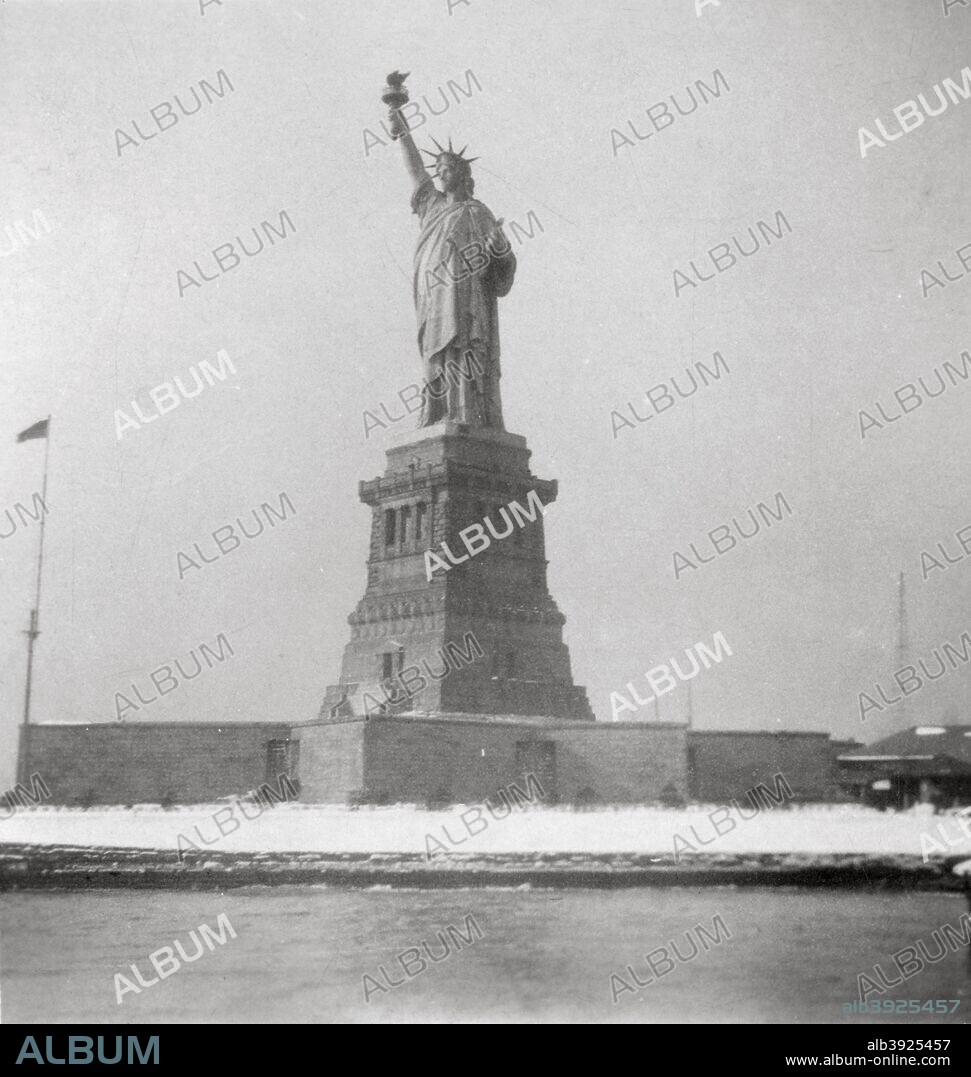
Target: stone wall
x=331 y=760
x=725 y=765
x=463 y=758
x=622 y=763
x=150 y=763
x=412 y=759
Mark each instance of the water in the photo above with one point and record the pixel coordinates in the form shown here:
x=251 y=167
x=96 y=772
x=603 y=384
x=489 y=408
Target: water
x=301 y=952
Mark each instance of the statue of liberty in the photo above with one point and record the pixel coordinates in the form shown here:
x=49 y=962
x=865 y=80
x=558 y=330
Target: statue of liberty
x=463 y=263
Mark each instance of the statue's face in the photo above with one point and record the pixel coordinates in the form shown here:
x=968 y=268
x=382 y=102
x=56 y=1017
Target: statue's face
x=451 y=175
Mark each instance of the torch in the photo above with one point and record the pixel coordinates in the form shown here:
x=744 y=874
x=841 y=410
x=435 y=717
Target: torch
x=394 y=96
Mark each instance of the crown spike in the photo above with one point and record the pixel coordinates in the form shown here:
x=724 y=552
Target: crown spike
x=430 y=153
x=463 y=149
x=441 y=149
x=450 y=150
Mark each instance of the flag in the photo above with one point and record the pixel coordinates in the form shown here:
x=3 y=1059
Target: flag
x=38 y=430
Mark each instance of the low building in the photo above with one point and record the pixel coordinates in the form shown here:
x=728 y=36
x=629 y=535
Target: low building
x=926 y=764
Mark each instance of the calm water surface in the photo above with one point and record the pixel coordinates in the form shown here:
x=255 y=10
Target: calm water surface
x=301 y=952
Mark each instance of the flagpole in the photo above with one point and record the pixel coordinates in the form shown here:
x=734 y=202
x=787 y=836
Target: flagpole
x=33 y=632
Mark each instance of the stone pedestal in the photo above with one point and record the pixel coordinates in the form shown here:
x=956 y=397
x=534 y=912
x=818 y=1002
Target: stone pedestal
x=484 y=637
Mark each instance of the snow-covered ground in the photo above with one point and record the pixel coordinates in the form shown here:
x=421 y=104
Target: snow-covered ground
x=818 y=829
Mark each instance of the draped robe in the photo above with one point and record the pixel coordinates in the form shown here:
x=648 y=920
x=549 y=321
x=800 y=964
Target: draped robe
x=457 y=280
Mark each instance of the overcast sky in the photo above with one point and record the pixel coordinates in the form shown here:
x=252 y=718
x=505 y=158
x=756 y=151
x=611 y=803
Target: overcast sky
x=320 y=326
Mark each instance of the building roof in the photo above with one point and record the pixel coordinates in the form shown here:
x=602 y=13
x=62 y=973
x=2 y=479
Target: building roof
x=920 y=745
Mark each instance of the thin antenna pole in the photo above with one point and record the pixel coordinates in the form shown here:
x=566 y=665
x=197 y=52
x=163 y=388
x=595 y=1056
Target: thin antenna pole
x=34 y=631
x=903 y=645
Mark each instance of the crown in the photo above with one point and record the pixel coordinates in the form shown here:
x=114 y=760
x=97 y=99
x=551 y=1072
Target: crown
x=458 y=154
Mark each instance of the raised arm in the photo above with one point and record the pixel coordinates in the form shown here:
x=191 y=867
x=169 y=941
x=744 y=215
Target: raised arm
x=413 y=162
